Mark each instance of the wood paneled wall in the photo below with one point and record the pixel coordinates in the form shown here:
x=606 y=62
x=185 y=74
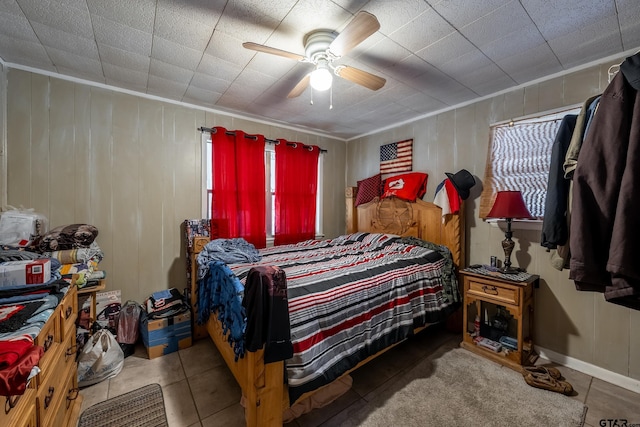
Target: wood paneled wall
x=129 y=165
x=580 y=325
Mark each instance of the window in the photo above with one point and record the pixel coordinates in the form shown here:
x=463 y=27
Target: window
x=270 y=180
x=519 y=159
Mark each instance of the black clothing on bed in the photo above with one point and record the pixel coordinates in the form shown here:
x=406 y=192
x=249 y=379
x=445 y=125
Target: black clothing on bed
x=265 y=297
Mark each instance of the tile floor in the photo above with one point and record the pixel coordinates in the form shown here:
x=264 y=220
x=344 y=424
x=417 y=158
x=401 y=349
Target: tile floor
x=199 y=390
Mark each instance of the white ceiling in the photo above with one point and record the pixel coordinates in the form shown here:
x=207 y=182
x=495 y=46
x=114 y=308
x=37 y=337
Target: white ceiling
x=433 y=53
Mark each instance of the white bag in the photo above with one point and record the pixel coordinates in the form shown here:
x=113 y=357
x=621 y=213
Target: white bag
x=20 y=227
x=101 y=358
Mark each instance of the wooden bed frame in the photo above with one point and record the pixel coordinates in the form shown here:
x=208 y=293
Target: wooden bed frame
x=264 y=395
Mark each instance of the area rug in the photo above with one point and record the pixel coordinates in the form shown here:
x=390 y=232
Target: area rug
x=143 y=407
x=455 y=387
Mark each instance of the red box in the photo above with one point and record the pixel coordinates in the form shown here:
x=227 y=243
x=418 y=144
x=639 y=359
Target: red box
x=38 y=271
x=27 y=272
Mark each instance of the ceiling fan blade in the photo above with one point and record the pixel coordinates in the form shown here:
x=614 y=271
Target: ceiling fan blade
x=361 y=77
x=361 y=26
x=300 y=87
x=272 y=50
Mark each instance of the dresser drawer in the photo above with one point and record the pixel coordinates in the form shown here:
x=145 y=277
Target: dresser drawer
x=49 y=340
x=71 y=395
x=28 y=418
x=16 y=407
x=69 y=349
x=50 y=394
x=68 y=311
x=506 y=294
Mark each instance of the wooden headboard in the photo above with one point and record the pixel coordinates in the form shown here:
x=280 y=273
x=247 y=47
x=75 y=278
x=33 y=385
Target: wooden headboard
x=418 y=219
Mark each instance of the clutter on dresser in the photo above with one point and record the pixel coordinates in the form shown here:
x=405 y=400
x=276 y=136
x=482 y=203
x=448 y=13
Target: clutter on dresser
x=37 y=344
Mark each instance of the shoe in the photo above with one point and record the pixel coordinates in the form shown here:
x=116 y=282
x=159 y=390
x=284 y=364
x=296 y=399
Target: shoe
x=553 y=372
x=545 y=381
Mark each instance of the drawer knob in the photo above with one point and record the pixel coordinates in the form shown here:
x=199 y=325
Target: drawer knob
x=492 y=290
x=72 y=395
x=70 y=351
x=48 y=397
x=48 y=342
x=10 y=403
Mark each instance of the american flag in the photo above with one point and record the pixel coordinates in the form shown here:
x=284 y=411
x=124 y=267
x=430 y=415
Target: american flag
x=396 y=157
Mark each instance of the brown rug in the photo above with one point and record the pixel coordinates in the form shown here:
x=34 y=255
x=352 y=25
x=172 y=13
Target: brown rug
x=143 y=407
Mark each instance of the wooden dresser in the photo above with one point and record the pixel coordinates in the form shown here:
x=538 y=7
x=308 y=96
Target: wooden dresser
x=52 y=398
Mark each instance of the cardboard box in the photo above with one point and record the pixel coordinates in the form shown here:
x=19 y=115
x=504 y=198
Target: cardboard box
x=26 y=272
x=164 y=336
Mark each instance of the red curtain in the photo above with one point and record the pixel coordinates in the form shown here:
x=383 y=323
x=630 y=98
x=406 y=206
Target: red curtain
x=238 y=196
x=296 y=188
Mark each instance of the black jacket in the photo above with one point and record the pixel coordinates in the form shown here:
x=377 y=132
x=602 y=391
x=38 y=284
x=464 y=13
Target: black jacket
x=266 y=304
x=555 y=230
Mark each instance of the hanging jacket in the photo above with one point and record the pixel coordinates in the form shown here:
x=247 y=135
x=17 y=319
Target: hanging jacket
x=605 y=210
x=554 y=226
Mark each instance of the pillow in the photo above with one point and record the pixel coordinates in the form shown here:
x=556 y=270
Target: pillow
x=408 y=186
x=368 y=189
x=68 y=237
x=377 y=239
x=348 y=238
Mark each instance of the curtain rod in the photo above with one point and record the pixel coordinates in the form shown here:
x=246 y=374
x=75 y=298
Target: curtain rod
x=270 y=141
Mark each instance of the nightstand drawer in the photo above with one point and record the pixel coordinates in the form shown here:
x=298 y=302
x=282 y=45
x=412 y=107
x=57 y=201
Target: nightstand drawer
x=505 y=294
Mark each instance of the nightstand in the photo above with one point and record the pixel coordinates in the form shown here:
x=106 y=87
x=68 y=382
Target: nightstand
x=503 y=308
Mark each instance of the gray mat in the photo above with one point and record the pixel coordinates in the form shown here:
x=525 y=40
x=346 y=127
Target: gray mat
x=455 y=387
x=143 y=407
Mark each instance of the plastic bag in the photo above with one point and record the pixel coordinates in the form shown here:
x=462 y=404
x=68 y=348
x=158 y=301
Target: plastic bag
x=21 y=227
x=101 y=358
x=128 y=324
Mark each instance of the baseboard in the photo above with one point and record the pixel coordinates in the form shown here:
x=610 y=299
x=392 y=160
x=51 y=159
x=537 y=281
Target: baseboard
x=589 y=369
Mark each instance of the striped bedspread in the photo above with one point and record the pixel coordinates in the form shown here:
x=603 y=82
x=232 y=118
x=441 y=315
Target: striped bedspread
x=351 y=297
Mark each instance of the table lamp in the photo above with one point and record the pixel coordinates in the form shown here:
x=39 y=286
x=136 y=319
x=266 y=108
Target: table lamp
x=509 y=205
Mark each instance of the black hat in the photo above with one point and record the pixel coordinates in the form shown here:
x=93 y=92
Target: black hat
x=462 y=181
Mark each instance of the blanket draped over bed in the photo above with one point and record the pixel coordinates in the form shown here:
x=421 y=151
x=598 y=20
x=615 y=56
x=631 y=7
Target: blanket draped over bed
x=349 y=298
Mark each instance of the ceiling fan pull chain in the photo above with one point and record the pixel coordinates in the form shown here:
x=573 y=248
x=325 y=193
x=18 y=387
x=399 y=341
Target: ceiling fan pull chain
x=331 y=98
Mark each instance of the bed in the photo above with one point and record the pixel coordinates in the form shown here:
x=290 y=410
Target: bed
x=264 y=392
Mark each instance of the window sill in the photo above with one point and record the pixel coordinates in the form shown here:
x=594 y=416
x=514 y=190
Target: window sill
x=517 y=224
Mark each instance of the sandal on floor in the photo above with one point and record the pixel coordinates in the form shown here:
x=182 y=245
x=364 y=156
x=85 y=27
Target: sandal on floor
x=545 y=381
x=553 y=372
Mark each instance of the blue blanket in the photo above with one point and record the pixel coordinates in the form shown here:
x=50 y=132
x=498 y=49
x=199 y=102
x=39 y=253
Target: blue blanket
x=221 y=290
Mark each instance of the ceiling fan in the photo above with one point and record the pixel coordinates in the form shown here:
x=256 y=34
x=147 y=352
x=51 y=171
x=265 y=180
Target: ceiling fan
x=322 y=47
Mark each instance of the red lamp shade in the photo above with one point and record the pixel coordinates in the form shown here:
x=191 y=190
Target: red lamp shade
x=509 y=204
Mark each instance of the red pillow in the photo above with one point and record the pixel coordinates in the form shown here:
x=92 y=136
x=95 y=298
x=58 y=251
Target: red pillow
x=408 y=186
x=368 y=189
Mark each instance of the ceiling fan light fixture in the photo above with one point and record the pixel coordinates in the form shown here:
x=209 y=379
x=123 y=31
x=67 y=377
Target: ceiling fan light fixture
x=321 y=78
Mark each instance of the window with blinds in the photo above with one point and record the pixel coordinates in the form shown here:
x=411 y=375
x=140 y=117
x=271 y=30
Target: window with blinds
x=519 y=159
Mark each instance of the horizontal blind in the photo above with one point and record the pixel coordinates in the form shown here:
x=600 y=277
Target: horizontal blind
x=518 y=159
